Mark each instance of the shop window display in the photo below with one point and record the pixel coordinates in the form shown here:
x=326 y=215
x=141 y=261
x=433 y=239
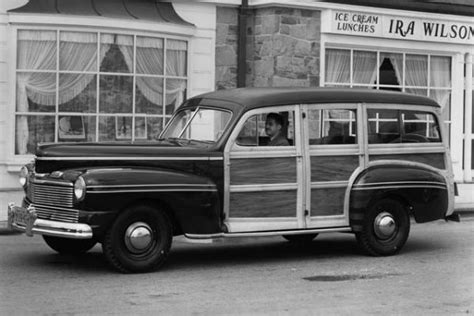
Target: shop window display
x=92 y=86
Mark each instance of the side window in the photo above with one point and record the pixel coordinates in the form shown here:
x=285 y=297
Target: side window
x=396 y=126
x=268 y=129
x=337 y=127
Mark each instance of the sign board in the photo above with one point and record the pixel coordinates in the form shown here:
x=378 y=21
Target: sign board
x=396 y=27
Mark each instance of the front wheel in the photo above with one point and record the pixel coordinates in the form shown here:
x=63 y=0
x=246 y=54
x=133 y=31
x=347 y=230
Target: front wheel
x=385 y=228
x=69 y=246
x=139 y=240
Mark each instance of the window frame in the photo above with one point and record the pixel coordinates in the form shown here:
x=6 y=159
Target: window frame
x=12 y=157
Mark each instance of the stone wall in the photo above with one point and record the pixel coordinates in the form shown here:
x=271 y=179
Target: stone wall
x=286 y=45
x=282 y=50
x=227 y=31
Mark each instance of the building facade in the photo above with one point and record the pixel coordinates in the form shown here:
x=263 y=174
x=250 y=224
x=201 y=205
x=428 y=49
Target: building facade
x=113 y=70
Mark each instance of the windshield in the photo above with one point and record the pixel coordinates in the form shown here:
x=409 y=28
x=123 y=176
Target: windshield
x=200 y=124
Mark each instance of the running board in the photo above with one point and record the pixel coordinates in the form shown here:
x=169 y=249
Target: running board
x=212 y=237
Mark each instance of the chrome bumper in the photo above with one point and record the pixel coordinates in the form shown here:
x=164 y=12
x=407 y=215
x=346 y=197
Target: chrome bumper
x=25 y=220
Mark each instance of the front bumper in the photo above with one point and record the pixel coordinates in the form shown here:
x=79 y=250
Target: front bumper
x=25 y=220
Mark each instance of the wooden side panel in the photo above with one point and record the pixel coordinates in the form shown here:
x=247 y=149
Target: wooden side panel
x=326 y=202
x=434 y=160
x=263 y=204
x=263 y=170
x=333 y=168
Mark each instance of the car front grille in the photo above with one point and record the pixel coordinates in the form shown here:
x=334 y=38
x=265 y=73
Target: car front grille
x=53 y=201
x=49 y=194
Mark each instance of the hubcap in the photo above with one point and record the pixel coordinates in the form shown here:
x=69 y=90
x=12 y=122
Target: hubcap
x=138 y=237
x=384 y=225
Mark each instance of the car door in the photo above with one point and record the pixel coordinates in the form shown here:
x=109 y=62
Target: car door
x=264 y=184
x=333 y=153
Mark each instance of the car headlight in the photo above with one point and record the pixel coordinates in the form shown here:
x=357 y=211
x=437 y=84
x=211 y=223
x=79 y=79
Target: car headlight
x=23 y=177
x=80 y=189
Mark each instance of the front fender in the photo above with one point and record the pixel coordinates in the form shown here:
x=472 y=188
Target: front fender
x=191 y=200
x=423 y=189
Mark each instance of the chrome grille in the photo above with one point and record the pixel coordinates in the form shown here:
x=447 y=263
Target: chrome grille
x=54 y=195
x=56 y=213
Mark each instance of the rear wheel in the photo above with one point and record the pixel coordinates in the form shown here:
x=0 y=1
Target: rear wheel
x=69 y=246
x=385 y=229
x=139 y=240
x=300 y=239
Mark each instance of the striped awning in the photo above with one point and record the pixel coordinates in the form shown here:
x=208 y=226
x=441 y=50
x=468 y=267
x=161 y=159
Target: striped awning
x=146 y=10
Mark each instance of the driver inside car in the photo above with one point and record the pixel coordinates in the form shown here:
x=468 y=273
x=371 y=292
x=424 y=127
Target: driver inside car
x=273 y=129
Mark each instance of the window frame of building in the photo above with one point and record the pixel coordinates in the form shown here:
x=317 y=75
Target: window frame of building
x=96 y=73
x=446 y=112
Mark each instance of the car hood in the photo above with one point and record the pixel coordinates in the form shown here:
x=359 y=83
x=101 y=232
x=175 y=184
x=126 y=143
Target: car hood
x=162 y=148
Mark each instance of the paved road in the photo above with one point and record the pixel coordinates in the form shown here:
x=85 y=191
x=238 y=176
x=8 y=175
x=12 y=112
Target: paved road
x=434 y=274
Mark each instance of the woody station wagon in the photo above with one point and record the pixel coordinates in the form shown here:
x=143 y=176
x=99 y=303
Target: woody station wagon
x=355 y=161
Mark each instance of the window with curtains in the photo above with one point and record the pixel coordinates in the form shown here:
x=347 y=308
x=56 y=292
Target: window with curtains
x=422 y=74
x=95 y=86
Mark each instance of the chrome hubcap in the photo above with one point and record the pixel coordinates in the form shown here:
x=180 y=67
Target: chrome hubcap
x=138 y=237
x=384 y=225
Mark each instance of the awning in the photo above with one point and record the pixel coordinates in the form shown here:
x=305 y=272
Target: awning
x=146 y=10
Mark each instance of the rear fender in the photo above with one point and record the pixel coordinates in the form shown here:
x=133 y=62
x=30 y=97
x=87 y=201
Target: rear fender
x=423 y=189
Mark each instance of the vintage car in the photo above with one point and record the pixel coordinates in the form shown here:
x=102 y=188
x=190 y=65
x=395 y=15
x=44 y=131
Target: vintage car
x=347 y=160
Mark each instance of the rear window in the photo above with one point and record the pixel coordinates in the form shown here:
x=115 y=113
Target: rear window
x=401 y=126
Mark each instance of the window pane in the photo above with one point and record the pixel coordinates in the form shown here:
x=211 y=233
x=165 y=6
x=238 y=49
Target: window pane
x=416 y=70
x=148 y=128
x=338 y=65
x=391 y=69
x=419 y=127
x=364 y=67
x=149 y=95
x=176 y=58
x=32 y=130
x=339 y=127
x=383 y=126
x=36 y=92
x=423 y=92
x=175 y=94
x=36 y=50
x=116 y=94
x=272 y=129
x=76 y=128
x=149 y=55
x=115 y=128
x=78 y=51
x=440 y=71
x=116 y=53
x=77 y=93
x=206 y=125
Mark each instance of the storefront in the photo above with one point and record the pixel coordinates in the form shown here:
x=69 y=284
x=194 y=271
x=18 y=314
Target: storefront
x=330 y=44
x=101 y=70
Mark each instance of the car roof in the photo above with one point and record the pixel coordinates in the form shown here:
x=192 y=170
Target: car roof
x=250 y=98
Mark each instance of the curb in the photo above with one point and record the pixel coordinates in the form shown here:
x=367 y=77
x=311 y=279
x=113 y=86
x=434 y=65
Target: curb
x=4 y=231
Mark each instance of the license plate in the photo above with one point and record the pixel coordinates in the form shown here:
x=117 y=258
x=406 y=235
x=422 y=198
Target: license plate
x=22 y=217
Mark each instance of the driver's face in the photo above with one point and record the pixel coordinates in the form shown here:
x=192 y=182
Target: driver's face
x=272 y=128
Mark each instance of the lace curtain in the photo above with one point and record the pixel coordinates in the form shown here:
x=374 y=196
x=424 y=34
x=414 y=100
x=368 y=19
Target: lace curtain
x=365 y=67
x=150 y=61
x=338 y=66
x=37 y=50
x=440 y=76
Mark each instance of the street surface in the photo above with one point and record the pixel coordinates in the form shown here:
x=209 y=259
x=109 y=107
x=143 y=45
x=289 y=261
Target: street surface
x=433 y=275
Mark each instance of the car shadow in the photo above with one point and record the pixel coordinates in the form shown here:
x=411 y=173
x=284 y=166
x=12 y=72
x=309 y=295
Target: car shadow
x=242 y=252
